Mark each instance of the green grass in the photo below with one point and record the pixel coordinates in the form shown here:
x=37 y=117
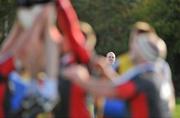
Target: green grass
x=177 y=110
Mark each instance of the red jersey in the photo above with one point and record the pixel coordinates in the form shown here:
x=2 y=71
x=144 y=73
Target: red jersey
x=69 y=24
x=143 y=96
x=73 y=98
x=5 y=68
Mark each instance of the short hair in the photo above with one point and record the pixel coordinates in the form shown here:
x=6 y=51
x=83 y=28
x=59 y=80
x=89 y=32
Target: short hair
x=89 y=33
x=141 y=27
x=110 y=53
x=29 y=3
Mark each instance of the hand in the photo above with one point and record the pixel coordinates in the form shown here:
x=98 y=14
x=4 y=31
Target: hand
x=77 y=73
x=101 y=65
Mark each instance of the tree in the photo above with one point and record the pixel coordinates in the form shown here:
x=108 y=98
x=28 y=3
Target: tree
x=108 y=17
x=7 y=15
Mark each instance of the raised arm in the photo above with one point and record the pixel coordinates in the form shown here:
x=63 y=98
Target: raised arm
x=11 y=39
x=107 y=88
x=6 y=59
x=69 y=24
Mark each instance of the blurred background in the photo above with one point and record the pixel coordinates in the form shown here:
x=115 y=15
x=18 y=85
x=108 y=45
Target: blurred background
x=112 y=20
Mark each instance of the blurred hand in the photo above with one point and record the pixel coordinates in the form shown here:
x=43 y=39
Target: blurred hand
x=76 y=73
x=101 y=65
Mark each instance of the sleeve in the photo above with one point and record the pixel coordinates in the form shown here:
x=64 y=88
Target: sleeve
x=6 y=67
x=69 y=24
x=126 y=91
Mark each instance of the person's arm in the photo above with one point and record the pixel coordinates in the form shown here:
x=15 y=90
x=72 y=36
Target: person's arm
x=6 y=58
x=80 y=75
x=11 y=39
x=107 y=88
x=69 y=24
x=99 y=87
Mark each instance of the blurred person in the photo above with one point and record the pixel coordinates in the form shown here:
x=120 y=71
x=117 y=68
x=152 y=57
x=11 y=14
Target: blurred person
x=90 y=43
x=21 y=34
x=30 y=54
x=122 y=65
x=19 y=84
x=30 y=45
x=124 y=62
x=74 y=102
x=162 y=67
x=111 y=58
x=140 y=87
x=75 y=48
x=107 y=107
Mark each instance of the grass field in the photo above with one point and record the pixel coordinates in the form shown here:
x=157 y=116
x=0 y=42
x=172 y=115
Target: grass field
x=177 y=111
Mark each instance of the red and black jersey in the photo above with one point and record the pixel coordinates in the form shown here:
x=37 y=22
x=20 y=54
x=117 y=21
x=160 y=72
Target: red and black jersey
x=72 y=97
x=73 y=101
x=143 y=96
x=6 y=66
x=69 y=24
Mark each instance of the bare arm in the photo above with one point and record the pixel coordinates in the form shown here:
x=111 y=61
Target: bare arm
x=100 y=88
x=80 y=76
x=11 y=39
x=69 y=24
x=103 y=87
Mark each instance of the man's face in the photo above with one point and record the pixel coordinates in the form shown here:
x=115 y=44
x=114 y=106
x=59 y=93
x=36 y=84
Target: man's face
x=111 y=58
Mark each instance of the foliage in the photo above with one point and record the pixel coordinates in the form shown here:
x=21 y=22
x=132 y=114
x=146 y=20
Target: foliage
x=7 y=14
x=108 y=17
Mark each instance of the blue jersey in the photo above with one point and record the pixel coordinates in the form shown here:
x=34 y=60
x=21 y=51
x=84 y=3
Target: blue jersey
x=18 y=89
